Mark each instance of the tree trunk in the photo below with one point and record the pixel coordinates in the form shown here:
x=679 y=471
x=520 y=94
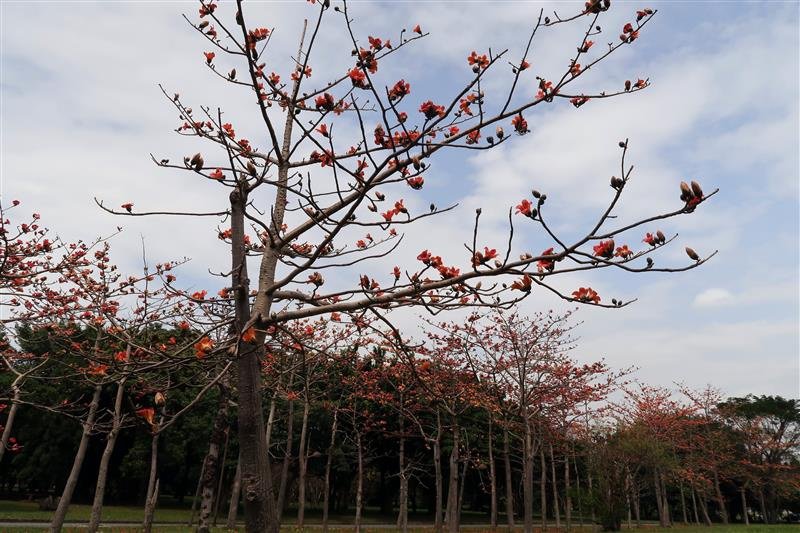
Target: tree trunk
x=543 y=486
x=492 y=480
x=402 y=514
x=12 y=413
x=437 y=467
x=236 y=489
x=287 y=454
x=568 y=495
x=359 y=482
x=302 y=459
x=659 y=499
x=704 y=509
x=746 y=518
x=694 y=506
x=259 y=503
x=197 y=492
x=66 y=496
x=683 y=508
x=628 y=497
x=637 y=496
x=591 y=503
x=723 y=512
x=509 y=493
x=328 y=465
x=212 y=468
x=152 y=483
x=527 y=477
x=218 y=497
x=667 y=513
x=102 y=473
x=150 y=507
x=556 y=510
x=578 y=486
x=763 y=504
x=452 y=512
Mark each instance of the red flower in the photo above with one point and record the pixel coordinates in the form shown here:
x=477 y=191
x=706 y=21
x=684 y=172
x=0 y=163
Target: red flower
x=417 y=29
x=481 y=61
x=249 y=335
x=628 y=28
x=400 y=89
x=358 y=77
x=525 y=208
x=523 y=285
x=203 y=347
x=546 y=264
x=229 y=130
x=578 y=100
x=604 y=249
x=396 y=272
x=375 y=43
x=473 y=136
x=209 y=57
x=623 y=252
x=520 y=124
x=127 y=207
x=325 y=101
x=199 y=295
x=323 y=130
x=586 y=295
x=424 y=256
x=217 y=175
x=148 y=413
x=431 y=110
x=416 y=183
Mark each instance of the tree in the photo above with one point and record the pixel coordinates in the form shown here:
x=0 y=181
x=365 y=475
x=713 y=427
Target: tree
x=323 y=197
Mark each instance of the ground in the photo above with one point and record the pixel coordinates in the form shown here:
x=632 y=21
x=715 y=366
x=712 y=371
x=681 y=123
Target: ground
x=21 y=517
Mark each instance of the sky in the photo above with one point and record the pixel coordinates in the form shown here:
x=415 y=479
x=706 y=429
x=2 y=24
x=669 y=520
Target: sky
x=82 y=112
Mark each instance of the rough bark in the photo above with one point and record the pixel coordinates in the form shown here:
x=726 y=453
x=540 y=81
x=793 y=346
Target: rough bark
x=212 y=467
x=259 y=503
x=66 y=496
x=236 y=489
x=102 y=472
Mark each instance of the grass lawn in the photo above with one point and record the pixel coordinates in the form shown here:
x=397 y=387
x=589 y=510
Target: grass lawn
x=22 y=511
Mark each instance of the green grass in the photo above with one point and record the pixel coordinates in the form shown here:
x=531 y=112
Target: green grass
x=23 y=511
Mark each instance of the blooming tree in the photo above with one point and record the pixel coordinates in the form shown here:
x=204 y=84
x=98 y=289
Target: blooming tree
x=335 y=203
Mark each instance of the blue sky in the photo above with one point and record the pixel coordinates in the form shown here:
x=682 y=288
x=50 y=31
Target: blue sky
x=81 y=112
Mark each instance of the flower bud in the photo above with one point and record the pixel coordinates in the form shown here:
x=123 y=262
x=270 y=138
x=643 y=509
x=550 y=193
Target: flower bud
x=660 y=236
x=160 y=399
x=698 y=192
x=500 y=133
x=692 y=254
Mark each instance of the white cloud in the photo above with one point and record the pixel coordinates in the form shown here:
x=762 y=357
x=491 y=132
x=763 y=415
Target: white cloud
x=712 y=298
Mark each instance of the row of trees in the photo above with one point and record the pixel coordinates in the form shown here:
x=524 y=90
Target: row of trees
x=301 y=374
